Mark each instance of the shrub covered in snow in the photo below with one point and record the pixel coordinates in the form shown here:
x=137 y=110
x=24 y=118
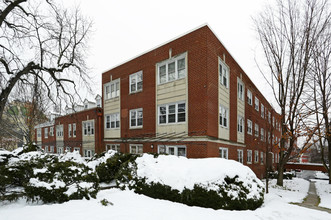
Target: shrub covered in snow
x=48 y=178
x=212 y=182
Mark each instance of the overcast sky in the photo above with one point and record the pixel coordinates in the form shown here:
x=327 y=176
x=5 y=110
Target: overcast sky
x=127 y=28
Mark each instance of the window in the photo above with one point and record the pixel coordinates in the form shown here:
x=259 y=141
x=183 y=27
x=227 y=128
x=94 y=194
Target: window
x=112 y=89
x=51 y=149
x=256 y=156
x=269 y=117
x=249 y=156
x=74 y=129
x=262 y=110
x=68 y=149
x=172 y=69
x=240 y=90
x=273 y=121
x=51 y=131
x=136 y=148
x=112 y=121
x=249 y=97
x=249 y=127
x=136 y=82
x=269 y=137
x=256 y=130
x=262 y=159
x=115 y=147
x=88 y=153
x=240 y=124
x=39 y=132
x=177 y=150
x=59 y=150
x=172 y=113
x=88 y=128
x=223 y=73
x=262 y=135
x=46 y=132
x=59 y=130
x=223 y=152
x=46 y=149
x=69 y=130
x=240 y=156
x=77 y=149
x=136 y=118
x=223 y=116
x=257 y=102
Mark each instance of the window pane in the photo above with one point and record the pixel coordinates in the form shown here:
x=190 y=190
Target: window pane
x=133 y=122
x=163 y=119
x=140 y=122
x=112 y=88
x=163 y=110
x=139 y=86
x=172 y=109
x=181 y=117
x=162 y=71
x=171 y=71
x=171 y=118
x=181 y=68
x=140 y=149
x=181 y=151
x=181 y=107
x=117 y=89
x=133 y=87
x=171 y=151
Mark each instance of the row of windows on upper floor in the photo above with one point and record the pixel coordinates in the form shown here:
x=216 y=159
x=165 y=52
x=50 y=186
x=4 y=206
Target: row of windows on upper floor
x=171 y=113
x=88 y=129
x=167 y=71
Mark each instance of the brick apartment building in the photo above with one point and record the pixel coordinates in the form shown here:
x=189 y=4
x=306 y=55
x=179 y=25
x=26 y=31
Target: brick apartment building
x=188 y=97
x=80 y=130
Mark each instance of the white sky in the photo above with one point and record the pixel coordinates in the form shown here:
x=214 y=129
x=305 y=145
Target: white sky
x=127 y=28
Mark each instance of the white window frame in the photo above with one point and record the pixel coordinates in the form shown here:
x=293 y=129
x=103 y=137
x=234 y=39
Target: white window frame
x=256 y=130
x=51 y=131
x=269 y=117
x=249 y=156
x=178 y=73
x=223 y=114
x=46 y=149
x=249 y=127
x=262 y=110
x=241 y=126
x=88 y=153
x=136 y=81
x=176 y=113
x=223 y=152
x=88 y=128
x=69 y=130
x=112 y=119
x=249 y=97
x=112 y=89
x=136 y=111
x=262 y=157
x=59 y=150
x=39 y=132
x=59 y=130
x=240 y=156
x=256 y=104
x=256 y=156
x=115 y=147
x=223 y=73
x=241 y=90
x=262 y=135
x=74 y=129
x=51 y=149
x=136 y=149
x=46 y=132
x=172 y=150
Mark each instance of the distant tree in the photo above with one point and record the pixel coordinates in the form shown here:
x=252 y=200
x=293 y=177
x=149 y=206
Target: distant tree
x=41 y=40
x=288 y=33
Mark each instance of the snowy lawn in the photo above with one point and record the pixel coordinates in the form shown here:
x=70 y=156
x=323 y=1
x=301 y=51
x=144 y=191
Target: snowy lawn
x=128 y=205
x=323 y=189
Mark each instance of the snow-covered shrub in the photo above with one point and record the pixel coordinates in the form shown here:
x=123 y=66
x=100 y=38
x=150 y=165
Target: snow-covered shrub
x=47 y=178
x=115 y=167
x=212 y=182
x=286 y=175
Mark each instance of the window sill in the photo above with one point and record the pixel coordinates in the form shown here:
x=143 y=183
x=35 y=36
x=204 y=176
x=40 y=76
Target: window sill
x=221 y=126
x=112 y=129
x=139 y=91
x=169 y=124
x=159 y=84
x=134 y=128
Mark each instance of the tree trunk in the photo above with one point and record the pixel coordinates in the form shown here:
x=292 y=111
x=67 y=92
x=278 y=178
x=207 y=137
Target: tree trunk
x=280 y=174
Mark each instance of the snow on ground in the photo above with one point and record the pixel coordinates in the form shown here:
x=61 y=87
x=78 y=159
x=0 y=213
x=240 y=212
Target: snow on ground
x=292 y=191
x=128 y=205
x=323 y=189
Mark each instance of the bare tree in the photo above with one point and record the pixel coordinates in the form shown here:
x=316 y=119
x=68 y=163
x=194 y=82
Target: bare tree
x=288 y=33
x=40 y=40
x=321 y=87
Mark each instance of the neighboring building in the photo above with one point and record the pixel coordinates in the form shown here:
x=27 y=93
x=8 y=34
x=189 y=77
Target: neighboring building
x=78 y=130
x=189 y=97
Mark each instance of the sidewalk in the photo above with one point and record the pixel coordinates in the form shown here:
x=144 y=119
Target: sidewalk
x=312 y=200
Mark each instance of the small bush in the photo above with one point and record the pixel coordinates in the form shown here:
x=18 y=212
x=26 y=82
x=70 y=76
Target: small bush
x=286 y=175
